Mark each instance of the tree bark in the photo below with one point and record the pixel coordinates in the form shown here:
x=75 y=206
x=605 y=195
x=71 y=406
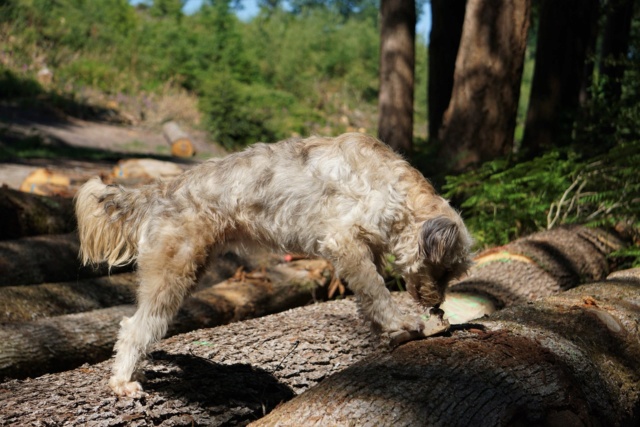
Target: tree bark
x=397 y=68
x=480 y=121
x=572 y=357
x=444 y=40
x=23 y=303
x=565 y=36
x=615 y=45
x=46 y=258
x=26 y=214
x=540 y=265
x=64 y=342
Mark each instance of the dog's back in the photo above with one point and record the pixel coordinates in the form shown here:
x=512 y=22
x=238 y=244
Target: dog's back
x=294 y=192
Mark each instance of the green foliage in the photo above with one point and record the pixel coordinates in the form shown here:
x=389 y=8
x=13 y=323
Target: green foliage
x=503 y=201
x=284 y=72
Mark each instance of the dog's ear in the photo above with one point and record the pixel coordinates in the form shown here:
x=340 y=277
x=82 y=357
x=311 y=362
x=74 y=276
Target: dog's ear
x=439 y=240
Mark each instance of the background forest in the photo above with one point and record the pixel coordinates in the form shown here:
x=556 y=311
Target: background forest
x=549 y=137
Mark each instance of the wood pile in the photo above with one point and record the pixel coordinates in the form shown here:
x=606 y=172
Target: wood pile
x=547 y=354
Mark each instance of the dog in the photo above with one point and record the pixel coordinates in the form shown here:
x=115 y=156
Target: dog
x=350 y=199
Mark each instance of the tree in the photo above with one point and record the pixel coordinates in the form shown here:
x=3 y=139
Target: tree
x=397 y=62
x=444 y=40
x=566 y=35
x=615 y=44
x=480 y=121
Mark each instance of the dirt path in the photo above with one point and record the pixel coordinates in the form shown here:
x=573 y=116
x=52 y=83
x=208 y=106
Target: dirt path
x=80 y=146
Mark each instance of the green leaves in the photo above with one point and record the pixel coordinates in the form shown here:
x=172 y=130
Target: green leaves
x=503 y=201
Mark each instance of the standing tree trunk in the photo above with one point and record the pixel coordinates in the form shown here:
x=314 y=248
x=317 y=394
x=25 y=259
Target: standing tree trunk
x=397 y=67
x=480 y=121
x=444 y=40
x=565 y=36
x=615 y=44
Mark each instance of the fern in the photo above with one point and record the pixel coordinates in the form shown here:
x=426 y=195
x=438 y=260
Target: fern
x=503 y=201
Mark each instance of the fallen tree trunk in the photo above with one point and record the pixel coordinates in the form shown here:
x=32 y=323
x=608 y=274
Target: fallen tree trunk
x=529 y=268
x=24 y=303
x=26 y=214
x=570 y=358
x=46 y=258
x=541 y=264
x=63 y=342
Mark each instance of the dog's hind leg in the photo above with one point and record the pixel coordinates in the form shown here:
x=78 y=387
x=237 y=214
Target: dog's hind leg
x=167 y=276
x=354 y=262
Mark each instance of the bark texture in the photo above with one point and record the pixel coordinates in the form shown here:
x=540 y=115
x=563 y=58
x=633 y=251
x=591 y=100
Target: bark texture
x=397 y=65
x=615 y=45
x=480 y=121
x=42 y=259
x=23 y=303
x=26 y=214
x=444 y=40
x=566 y=35
x=63 y=342
x=541 y=264
x=571 y=359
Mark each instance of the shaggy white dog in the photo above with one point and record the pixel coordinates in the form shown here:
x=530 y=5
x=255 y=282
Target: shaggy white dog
x=349 y=199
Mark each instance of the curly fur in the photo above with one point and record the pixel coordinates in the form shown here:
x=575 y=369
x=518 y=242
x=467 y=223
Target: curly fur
x=349 y=199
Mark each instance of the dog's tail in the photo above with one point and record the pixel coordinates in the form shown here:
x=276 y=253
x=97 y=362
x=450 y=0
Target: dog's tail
x=107 y=227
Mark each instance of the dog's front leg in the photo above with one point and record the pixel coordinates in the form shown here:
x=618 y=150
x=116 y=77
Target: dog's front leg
x=353 y=262
x=164 y=283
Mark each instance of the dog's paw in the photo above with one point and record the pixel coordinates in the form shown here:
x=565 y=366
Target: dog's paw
x=122 y=387
x=418 y=327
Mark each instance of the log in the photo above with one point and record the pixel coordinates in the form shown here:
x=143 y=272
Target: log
x=179 y=140
x=135 y=172
x=541 y=264
x=43 y=181
x=45 y=258
x=64 y=342
x=553 y=361
x=24 y=303
x=570 y=359
x=26 y=214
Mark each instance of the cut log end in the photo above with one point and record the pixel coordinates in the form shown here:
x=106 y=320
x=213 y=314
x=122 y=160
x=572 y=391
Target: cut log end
x=182 y=148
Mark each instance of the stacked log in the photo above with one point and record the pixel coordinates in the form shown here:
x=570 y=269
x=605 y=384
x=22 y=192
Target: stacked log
x=45 y=258
x=53 y=344
x=569 y=359
x=26 y=214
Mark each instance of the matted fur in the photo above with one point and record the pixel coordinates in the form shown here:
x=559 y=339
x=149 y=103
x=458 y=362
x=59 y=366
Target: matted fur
x=349 y=199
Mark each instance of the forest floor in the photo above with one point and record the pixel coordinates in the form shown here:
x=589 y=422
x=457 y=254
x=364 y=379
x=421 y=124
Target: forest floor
x=33 y=138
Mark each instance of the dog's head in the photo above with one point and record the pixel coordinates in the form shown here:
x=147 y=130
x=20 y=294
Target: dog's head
x=445 y=251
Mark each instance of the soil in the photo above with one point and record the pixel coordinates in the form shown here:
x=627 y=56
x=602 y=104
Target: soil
x=103 y=142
